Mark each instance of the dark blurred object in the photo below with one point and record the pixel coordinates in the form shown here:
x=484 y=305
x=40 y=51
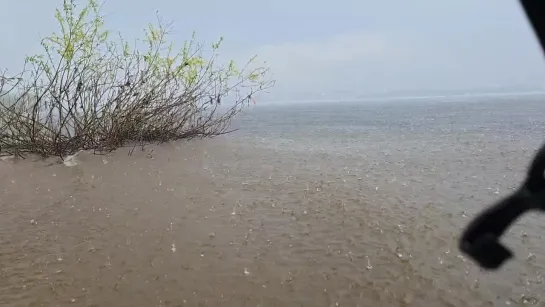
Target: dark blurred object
x=480 y=240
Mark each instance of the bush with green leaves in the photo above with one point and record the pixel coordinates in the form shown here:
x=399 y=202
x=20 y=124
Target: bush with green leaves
x=88 y=91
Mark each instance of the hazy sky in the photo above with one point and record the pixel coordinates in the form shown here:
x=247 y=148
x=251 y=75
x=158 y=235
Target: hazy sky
x=359 y=46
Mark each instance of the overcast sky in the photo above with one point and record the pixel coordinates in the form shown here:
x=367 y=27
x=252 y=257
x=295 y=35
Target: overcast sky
x=355 y=46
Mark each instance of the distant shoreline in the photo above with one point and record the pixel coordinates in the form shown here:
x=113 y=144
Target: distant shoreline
x=410 y=98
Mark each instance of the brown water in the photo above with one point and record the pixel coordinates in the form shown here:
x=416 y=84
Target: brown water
x=285 y=213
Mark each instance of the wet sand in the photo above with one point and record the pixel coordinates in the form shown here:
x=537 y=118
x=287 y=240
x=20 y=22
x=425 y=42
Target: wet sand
x=235 y=221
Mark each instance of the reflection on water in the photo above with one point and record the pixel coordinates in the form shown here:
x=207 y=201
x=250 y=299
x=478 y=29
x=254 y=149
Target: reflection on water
x=309 y=205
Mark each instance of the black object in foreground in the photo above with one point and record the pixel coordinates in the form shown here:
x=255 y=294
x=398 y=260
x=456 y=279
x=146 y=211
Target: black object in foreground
x=480 y=240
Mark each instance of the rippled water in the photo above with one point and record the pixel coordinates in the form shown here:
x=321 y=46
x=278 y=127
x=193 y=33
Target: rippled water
x=307 y=205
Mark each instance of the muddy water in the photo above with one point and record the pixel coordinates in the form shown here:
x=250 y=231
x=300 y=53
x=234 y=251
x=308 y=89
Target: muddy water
x=305 y=206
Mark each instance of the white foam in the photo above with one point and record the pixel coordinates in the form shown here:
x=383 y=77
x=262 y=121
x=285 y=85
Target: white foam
x=71 y=159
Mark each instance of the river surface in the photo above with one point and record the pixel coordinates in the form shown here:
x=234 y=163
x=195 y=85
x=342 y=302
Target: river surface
x=324 y=204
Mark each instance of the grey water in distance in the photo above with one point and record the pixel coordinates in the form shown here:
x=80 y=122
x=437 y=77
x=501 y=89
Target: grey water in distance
x=309 y=204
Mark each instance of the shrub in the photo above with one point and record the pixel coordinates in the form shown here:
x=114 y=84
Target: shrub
x=88 y=91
